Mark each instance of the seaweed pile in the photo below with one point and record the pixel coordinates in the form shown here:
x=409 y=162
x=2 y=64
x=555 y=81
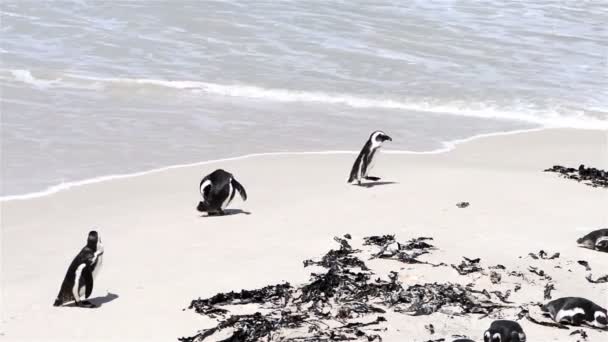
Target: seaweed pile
x=543 y=255
x=468 y=266
x=407 y=252
x=343 y=303
x=588 y=175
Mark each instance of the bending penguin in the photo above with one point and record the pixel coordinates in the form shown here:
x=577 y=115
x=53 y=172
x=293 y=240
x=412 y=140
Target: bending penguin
x=78 y=282
x=218 y=189
x=365 y=161
x=597 y=239
x=575 y=311
x=504 y=331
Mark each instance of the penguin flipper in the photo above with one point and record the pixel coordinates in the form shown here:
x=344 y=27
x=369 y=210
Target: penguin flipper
x=87 y=277
x=355 y=169
x=239 y=188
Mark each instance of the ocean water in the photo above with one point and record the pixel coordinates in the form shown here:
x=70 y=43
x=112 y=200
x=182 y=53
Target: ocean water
x=98 y=88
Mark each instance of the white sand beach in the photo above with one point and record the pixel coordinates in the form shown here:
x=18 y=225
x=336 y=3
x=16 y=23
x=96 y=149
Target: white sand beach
x=160 y=253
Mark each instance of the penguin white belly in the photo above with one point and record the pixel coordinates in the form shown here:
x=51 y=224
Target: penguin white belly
x=229 y=198
x=371 y=165
x=78 y=289
x=567 y=315
x=97 y=265
x=372 y=161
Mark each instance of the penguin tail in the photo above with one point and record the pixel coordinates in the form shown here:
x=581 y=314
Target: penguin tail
x=58 y=302
x=239 y=188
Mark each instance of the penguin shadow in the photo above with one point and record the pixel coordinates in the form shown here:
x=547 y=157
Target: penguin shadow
x=98 y=301
x=374 y=184
x=228 y=212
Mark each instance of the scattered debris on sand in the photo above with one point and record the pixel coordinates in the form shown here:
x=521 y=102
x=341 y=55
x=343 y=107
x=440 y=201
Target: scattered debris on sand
x=584 y=264
x=548 y=288
x=346 y=300
x=543 y=255
x=495 y=277
x=407 y=252
x=581 y=332
x=602 y=279
x=588 y=175
x=539 y=273
x=468 y=266
x=343 y=302
x=462 y=204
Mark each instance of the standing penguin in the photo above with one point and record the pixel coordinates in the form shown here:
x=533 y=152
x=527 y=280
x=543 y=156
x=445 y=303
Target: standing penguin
x=78 y=282
x=504 y=331
x=218 y=189
x=365 y=160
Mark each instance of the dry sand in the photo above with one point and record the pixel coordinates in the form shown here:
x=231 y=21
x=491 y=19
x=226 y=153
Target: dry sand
x=160 y=253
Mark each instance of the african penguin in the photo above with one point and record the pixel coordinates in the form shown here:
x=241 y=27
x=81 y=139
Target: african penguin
x=575 y=311
x=597 y=239
x=504 y=331
x=218 y=189
x=365 y=161
x=78 y=282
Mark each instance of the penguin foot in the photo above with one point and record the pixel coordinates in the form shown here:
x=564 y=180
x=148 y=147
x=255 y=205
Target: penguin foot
x=371 y=178
x=86 y=304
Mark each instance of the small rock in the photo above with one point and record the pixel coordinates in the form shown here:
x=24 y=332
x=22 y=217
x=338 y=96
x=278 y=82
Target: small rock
x=462 y=204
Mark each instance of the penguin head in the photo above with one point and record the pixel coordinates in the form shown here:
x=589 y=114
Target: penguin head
x=202 y=207
x=601 y=319
x=602 y=244
x=504 y=331
x=586 y=242
x=378 y=137
x=93 y=241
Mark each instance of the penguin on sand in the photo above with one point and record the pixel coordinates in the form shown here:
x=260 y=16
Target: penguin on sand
x=218 y=189
x=504 y=331
x=597 y=239
x=365 y=161
x=576 y=311
x=77 y=285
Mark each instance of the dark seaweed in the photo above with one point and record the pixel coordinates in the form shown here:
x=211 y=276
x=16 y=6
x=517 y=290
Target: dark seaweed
x=468 y=266
x=584 y=264
x=588 y=175
x=462 y=204
x=602 y=279
x=539 y=273
x=548 y=288
x=405 y=252
x=581 y=332
x=346 y=291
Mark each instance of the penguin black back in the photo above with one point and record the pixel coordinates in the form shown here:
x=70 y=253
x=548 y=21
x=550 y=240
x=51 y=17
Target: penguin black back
x=218 y=189
x=575 y=311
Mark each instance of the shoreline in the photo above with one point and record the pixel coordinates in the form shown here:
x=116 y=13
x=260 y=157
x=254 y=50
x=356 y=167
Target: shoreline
x=447 y=147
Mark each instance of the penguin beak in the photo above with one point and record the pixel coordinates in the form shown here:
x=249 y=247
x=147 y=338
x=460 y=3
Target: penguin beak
x=201 y=207
x=386 y=137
